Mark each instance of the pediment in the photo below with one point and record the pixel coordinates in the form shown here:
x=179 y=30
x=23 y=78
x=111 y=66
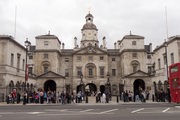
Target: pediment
x=138 y=73
x=90 y=50
x=50 y=74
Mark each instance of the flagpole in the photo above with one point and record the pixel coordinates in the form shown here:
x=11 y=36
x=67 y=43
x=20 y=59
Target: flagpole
x=15 y=22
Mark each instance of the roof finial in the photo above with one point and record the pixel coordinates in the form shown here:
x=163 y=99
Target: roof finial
x=89 y=9
x=49 y=32
x=130 y=33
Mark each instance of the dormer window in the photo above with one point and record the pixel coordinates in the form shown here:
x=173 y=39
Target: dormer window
x=133 y=42
x=46 y=43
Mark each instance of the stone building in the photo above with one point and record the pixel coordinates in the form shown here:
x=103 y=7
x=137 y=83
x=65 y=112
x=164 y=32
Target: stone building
x=12 y=67
x=93 y=66
x=88 y=67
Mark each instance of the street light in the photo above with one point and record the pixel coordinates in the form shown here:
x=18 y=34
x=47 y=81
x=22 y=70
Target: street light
x=108 y=89
x=27 y=44
x=166 y=62
x=167 y=76
x=82 y=84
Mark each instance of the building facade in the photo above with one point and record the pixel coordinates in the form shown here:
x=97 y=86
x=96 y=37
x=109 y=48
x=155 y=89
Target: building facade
x=88 y=67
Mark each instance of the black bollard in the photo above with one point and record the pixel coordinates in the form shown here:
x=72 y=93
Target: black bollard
x=96 y=99
x=24 y=100
x=86 y=99
x=117 y=99
x=7 y=100
x=153 y=98
x=107 y=99
x=76 y=99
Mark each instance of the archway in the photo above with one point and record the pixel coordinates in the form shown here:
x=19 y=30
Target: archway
x=90 y=89
x=50 y=85
x=139 y=85
x=80 y=88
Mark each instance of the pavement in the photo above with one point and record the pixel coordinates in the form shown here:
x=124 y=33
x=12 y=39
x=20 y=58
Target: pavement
x=94 y=103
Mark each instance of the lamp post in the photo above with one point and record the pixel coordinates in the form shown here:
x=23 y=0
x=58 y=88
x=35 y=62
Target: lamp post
x=108 y=89
x=81 y=83
x=27 y=44
x=166 y=62
x=167 y=76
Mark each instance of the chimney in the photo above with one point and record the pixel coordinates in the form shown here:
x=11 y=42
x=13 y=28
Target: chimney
x=150 y=46
x=63 y=45
x=104 y=42
x=75 y=42
x=115 y=46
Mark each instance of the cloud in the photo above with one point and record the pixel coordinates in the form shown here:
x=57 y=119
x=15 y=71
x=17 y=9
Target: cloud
x=114 y=19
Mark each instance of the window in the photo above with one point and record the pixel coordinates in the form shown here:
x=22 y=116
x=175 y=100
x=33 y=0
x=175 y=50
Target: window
x=165 y=61
x=148 y=56
x=30 y=57
x=159 y=63
x=18 y=62
x=134 y=55
x=66 y=59
x=133 y=42
x=30 y=70
x=46 y=66
x=78 y=58
x=172 y=58
x=113 y=72
x=135 y=66
x=149 y=69
x=12 y=59
x=23 y=64
x=101 y=72
x=174 y=69
x=101 y=58
x=79 y=71
x=66 y=72
x=90 y=72
x=113 y=59
x=46 y=43
x=45 y=56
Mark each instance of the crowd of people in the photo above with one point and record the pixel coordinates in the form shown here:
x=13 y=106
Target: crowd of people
x=138 y=96
x=62 y=97
x=41 y=97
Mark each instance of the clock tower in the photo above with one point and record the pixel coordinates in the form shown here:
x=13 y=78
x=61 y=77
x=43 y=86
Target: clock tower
x=89 y=32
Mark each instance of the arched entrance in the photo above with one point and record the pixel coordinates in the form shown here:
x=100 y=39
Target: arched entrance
x=90 y=89
x=50 y=85
x=80 y=88
x=139 y=85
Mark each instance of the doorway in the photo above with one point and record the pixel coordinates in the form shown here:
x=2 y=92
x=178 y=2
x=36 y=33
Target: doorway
x=139 y=85
x=50 y=85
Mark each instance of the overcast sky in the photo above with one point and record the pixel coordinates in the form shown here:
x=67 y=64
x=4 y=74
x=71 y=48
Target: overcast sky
x=113 y=18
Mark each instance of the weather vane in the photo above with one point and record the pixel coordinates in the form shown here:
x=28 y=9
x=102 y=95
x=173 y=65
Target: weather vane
x=89 y=9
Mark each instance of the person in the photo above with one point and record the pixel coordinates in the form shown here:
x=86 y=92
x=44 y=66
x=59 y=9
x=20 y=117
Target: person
x=18 y=98
x=62 y=97
x=79 y=97
x=25 y=98
x=143 y=98
x=41 y=97
x=136 y=96
x=103 y=98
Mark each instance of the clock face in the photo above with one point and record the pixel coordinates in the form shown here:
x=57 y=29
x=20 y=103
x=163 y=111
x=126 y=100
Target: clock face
x=89 y=35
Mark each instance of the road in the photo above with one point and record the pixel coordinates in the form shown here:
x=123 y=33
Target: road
x=162 y=111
